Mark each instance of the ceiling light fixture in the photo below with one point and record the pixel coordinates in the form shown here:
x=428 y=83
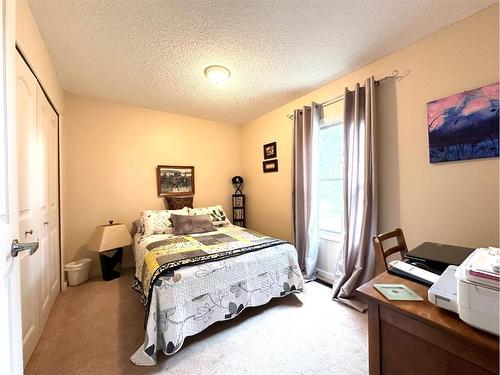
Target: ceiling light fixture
x=217 y=74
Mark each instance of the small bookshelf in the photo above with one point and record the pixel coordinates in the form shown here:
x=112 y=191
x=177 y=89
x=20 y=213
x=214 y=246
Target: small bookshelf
x=239 y=210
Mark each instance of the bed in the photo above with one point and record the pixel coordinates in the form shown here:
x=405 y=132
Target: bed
x=189 y=282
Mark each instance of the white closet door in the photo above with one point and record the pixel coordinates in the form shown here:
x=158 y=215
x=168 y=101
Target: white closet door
x=30 y=266
x=50 y=209
x=43 y=201
x=38 y=207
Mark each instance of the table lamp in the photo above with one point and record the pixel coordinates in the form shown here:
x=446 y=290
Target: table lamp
x=109 y=240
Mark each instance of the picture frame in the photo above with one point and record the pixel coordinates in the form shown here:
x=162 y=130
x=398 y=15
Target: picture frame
x=464 y=126
x=270 y=150
x=173 y=180
x=269 y=166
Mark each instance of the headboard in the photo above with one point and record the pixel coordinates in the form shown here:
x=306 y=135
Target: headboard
x=177 y=203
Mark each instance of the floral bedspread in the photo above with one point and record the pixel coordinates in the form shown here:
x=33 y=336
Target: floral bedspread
x=160 y=254
x=186 y=300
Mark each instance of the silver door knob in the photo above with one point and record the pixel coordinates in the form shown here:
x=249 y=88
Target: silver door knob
x=45 y=222
x=28 y=232
x=17 y=247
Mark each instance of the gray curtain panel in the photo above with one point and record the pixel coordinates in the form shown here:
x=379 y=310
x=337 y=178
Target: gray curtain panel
x=305 y=186
x=357 y=261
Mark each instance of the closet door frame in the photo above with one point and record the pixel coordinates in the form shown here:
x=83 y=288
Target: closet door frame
x=62 y=284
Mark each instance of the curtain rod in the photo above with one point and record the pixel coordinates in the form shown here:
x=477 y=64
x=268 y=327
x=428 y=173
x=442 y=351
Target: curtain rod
x=332 y=101
x=394 y=75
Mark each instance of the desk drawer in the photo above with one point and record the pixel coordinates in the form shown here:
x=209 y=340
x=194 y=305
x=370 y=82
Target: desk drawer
x=410 y=346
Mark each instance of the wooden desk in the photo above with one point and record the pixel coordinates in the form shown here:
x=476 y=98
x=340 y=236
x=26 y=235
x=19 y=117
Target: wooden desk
x=420 y=338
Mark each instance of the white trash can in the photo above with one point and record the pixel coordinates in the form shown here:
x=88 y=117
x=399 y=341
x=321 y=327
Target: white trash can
x=78 y=271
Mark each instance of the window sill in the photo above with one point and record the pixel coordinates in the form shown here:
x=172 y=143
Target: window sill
x=331 y=236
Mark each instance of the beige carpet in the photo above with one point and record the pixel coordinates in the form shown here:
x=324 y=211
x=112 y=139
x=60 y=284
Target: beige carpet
x=95 y=327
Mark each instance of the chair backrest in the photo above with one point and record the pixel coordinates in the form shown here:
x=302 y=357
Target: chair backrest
x=400 y=247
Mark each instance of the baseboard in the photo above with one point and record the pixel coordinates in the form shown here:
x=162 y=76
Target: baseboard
x=128 y=265
x=324 y=275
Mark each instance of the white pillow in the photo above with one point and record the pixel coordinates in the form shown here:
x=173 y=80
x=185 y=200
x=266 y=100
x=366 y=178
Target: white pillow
x=158 y=221
x=217 y=214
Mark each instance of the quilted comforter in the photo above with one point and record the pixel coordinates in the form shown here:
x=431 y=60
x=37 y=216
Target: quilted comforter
x=188 y=283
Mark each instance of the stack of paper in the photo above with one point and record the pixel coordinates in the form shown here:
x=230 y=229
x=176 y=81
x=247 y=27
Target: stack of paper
x=484 y=267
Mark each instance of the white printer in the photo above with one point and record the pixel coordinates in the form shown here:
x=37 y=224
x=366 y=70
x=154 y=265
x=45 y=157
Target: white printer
x=478 y=284
x=472 y=290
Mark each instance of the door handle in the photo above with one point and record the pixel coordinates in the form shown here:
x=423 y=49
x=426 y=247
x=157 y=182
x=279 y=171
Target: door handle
x=17 y=247
x=26 y=232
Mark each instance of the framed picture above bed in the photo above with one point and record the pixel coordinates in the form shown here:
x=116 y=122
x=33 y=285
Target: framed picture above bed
x=175 y=180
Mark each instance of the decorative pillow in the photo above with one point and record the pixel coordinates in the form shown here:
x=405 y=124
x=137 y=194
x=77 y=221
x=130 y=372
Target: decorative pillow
x=177 y=203
x=159 y=221
x=217 y=214
x=192 y=224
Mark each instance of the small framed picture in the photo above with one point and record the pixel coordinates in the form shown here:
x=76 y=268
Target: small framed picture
x=270 y=151
x=270 y=166
x=175 y=180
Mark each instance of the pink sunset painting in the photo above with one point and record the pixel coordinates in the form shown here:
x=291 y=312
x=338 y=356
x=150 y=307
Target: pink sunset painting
x=464 y=126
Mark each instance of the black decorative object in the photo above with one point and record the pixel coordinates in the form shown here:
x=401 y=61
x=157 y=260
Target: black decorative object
x=238 y=184
x=238 y=202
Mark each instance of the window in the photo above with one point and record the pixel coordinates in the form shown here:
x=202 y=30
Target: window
x=331 y=182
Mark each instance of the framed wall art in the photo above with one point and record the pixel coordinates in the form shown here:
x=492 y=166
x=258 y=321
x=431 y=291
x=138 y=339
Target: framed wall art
x=270 y=150
x=270 y=166
x=464 y=126
x=175 y=180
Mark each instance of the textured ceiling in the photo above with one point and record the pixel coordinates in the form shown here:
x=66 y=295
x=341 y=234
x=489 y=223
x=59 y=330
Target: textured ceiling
x=153 y=53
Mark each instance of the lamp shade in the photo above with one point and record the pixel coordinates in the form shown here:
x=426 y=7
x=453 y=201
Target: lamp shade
x=108 y=237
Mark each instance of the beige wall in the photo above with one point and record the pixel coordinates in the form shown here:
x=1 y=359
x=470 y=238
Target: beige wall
x=31 y=43
x=109 y=166
x=451 y=202
x=109 y=151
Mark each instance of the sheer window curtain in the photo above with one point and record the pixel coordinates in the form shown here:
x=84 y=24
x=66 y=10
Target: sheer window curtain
x=305 y=184
x=357 y=261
